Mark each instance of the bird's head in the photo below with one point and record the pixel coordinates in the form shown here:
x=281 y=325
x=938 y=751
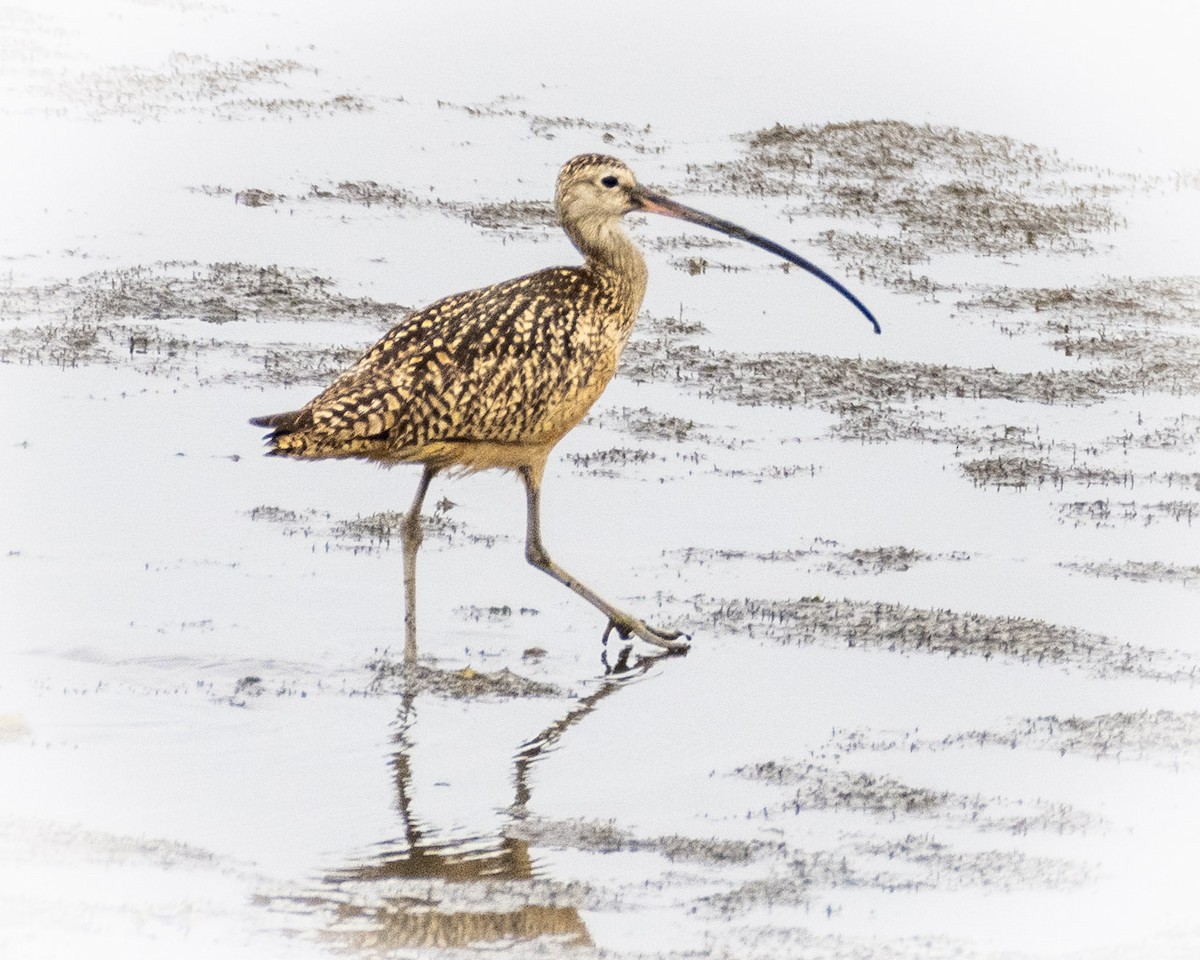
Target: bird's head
x=593 y=186
x=594 y=191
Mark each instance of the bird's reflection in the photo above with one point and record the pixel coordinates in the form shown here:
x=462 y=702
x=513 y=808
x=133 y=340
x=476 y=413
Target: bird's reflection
x=441 y=884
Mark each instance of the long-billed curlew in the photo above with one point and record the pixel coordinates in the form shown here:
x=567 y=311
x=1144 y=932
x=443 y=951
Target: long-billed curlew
x=495 y=377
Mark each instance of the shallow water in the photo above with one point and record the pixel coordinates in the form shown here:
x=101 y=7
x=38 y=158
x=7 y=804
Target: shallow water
x=941 y=699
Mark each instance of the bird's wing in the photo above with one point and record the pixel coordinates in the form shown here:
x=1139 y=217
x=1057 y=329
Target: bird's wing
x=486 y=365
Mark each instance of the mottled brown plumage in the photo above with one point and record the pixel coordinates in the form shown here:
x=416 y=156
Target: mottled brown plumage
x=495 y=377
x=492 y=377
x=459 y=383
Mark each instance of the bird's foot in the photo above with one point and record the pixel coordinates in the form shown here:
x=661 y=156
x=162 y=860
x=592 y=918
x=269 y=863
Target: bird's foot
x=673 y=641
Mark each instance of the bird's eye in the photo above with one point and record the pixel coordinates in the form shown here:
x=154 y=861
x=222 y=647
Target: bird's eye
x=610 y=181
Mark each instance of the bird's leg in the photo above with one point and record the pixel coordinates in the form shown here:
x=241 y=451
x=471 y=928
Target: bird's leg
x=411 y=534
x=536 y=554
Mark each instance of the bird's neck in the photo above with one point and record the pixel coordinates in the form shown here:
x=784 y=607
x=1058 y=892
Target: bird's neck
x=607 y=248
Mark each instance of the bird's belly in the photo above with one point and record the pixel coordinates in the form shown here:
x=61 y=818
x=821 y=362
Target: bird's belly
x=469 y=456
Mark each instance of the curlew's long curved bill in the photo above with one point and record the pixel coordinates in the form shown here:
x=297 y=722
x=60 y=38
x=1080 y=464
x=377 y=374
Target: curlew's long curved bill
x=653 y=202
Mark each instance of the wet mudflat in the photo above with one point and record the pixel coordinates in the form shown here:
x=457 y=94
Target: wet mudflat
x=942 y=584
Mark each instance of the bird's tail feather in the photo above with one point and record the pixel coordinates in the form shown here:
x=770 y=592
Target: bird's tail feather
x=279 y=422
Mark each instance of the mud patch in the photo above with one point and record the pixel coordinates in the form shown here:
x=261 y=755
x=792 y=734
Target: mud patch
x=858 y=389
x=506 y=219
x=792 y=876
x=1138 y=571
x=248 y=689
x=888 y=261
x=212 y=293
x=69 y=845
x=864 y=391
x=817 y=786
x=925 y=862
x=612 y=463
x=1139 y=334
x=1164 y=738
x=501 y=614
x=293 y=365
x=606 y=836
x=390 y=676
x=693 y=263
x=1021 y=472
x=1110 y=303
x=1180 y=432
x=189 y=83
x=162 y=319
x=933 y=188
x=903 y=629
x=620 y=135
x=647 y=424
x=1110 y=513
x=915 y=862
x=373 y=533
x=826 y=556
x=882 y=401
